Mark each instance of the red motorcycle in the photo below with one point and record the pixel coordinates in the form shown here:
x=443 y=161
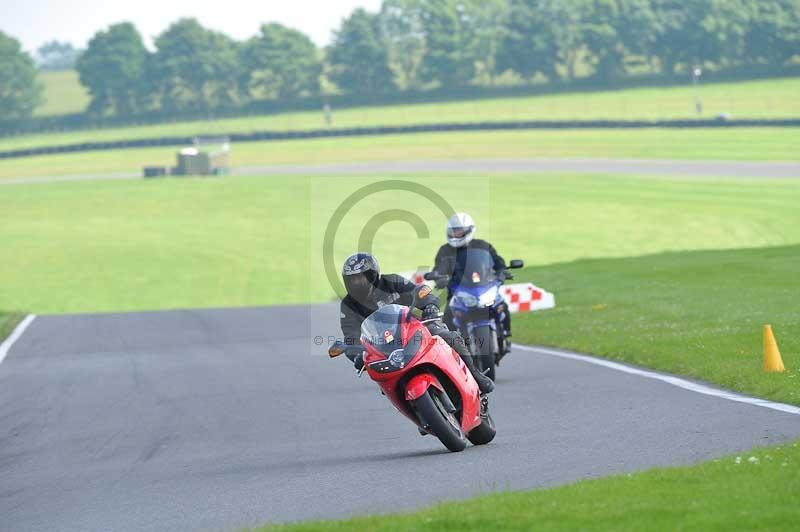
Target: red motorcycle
x=423 y=377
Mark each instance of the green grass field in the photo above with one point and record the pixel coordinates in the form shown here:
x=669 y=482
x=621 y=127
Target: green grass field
x=756 y=490
x=768 y=144
x=63 y=94
x=136 y=245
x=776 y=98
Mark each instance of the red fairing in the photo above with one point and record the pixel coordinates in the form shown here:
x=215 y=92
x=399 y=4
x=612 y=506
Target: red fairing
x=419 y=384
x=433 y=362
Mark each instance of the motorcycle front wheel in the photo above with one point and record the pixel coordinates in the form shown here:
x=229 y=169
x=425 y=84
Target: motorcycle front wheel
x=439 y=421
x=484 y=342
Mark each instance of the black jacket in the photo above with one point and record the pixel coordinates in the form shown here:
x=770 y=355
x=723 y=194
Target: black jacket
x=450 y=261
x=391 y=289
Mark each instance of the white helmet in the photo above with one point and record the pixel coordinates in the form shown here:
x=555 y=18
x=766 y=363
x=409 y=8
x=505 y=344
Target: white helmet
x=460 y=229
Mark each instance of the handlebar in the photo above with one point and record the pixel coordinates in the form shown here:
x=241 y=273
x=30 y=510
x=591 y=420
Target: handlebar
x=442 y=280
x=353 y=351
x=435 y=276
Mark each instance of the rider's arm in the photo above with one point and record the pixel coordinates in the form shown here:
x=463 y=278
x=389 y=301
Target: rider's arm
x=499 y=263
x=350 y=321
x=403 y=287
x=445 y=260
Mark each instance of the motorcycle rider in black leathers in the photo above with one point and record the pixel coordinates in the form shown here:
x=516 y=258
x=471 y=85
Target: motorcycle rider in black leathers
x=452 y=256
x=367 y=290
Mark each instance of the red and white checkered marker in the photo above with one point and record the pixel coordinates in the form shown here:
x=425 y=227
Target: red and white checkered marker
x=527 y=297
x=520 y=297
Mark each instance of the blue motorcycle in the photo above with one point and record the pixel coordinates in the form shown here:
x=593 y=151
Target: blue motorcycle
x=478 y=307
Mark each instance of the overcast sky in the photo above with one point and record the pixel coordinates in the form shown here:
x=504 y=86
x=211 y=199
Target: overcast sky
x=34 y=22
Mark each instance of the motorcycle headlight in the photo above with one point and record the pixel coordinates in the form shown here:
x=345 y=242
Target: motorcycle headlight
x=468 y=299
x=399 y=358
x=489 y=298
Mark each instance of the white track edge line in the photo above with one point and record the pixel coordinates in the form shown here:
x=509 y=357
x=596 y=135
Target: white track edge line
x=5 y=347
x=669 y=379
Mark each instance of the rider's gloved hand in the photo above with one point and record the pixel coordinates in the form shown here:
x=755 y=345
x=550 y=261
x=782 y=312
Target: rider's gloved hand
x=358 y=362
x=507 y=275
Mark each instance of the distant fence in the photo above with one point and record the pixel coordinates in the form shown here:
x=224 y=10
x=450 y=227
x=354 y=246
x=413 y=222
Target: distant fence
x=395 y=130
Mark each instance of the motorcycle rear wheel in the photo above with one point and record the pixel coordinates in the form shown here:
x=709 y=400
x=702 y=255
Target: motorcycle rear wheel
x=439 y=422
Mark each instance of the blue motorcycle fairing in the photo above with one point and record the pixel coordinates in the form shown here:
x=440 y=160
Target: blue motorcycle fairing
x=466 y=300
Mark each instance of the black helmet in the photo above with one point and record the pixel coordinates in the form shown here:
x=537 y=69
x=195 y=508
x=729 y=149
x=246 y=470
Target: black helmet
x=360 y=274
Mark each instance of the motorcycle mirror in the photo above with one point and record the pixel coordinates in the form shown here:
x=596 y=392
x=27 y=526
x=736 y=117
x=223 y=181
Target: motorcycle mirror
x=516 y=263
x=336 y=349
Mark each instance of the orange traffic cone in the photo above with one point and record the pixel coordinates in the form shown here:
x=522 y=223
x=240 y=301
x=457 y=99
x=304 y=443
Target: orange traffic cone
x=772 y=357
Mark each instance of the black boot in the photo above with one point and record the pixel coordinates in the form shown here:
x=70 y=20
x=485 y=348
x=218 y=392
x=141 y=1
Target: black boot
x=485 y=384
x=454 y=340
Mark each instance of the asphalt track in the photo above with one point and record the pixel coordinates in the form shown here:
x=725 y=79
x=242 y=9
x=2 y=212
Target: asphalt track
x=217 y=419
x=662 y=167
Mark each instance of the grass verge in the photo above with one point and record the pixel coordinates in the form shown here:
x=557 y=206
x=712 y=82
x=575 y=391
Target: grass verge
x=757 y=490
x=758 y=144
x=698 y=314
x=8 y=320
x=773 y=98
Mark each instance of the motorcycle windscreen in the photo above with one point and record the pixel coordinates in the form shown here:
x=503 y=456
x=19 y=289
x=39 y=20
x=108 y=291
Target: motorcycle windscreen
x=475 y=267
x=383 y=328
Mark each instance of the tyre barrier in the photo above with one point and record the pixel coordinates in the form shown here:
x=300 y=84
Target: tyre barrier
x=399 y=130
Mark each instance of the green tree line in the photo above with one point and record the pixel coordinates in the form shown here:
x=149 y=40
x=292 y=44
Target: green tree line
x=415 y=44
